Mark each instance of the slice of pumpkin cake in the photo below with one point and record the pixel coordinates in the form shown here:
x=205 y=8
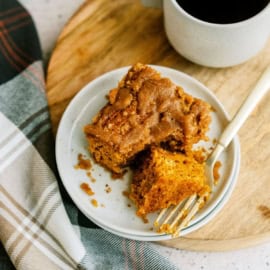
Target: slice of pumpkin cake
x=166 y=178
x=145 y=109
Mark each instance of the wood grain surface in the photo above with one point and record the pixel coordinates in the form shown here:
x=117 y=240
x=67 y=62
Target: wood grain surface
x=104 y=35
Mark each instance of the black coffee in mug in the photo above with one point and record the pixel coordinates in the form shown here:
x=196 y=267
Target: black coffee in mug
x=223 y=11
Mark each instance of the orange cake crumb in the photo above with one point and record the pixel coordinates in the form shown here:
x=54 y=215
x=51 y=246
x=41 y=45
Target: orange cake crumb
x=90 y=176
x=94 y=202
x=166 y=178
x=216 y=173
x=125 y=193
x=87 y=189
x=265 y=210
x=83 y=163
x=108 y=189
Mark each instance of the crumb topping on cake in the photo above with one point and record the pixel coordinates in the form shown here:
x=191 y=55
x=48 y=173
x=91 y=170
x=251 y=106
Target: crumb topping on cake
x=145 y=109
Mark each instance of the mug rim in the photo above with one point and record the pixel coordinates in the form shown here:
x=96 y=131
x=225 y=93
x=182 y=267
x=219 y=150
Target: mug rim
x=221 y=25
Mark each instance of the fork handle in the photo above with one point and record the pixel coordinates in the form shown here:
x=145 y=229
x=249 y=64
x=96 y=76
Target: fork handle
x=261 y=87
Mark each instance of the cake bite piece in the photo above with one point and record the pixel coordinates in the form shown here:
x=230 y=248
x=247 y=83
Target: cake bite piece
x=166 y=178
x=145 y=109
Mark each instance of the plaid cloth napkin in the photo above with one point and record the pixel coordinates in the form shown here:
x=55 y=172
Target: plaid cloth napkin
x=40 y=227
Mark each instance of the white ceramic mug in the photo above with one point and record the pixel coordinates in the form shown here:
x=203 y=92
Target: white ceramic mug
x=212 y=44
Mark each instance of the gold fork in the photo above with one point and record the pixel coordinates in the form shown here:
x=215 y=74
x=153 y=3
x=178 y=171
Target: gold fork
x=174 y=219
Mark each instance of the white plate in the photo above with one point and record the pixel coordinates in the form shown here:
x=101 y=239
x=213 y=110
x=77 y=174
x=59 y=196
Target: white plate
x=116 y=216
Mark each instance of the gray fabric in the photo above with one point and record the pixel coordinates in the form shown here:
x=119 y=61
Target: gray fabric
x=22 y=99
x=115 y=253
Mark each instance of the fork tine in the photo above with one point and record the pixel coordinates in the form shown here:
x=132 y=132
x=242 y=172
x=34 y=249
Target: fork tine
x=175 y=208
x=190 y=206
x=189 y=202
x=190 y=214
x=165 y=215
x=161 y=214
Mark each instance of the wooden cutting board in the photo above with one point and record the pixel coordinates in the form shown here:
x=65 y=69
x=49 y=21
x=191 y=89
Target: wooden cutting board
x=104 y=35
